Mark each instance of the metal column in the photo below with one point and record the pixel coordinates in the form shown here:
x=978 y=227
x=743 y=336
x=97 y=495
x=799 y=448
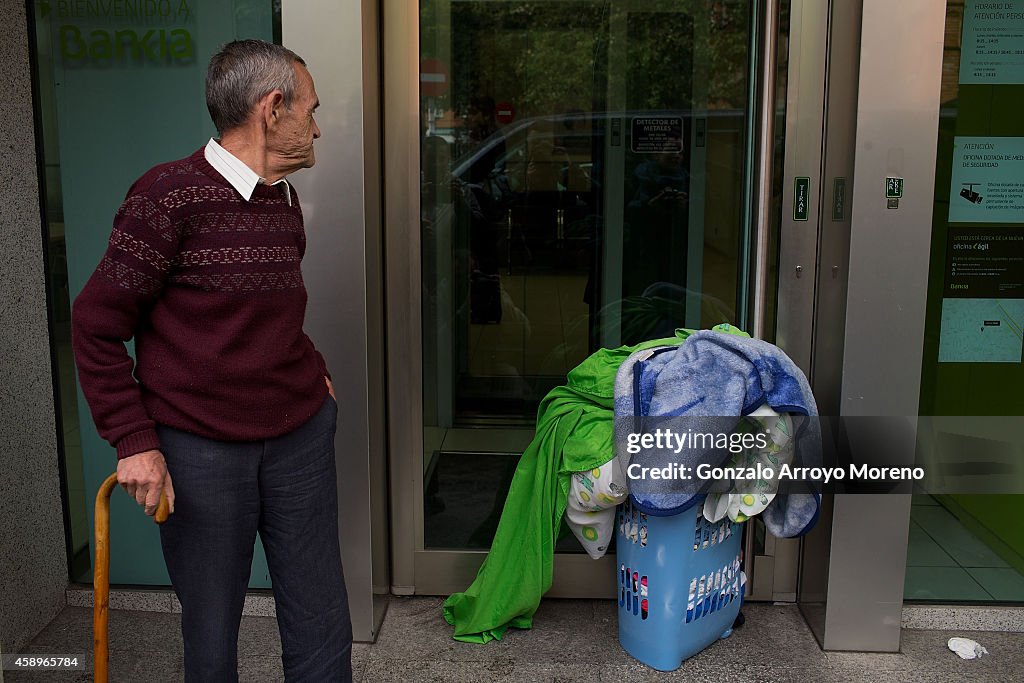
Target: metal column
x=343 y=274
x=897 y=120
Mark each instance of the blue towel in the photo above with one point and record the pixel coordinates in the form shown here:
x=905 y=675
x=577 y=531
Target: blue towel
x=711 y=380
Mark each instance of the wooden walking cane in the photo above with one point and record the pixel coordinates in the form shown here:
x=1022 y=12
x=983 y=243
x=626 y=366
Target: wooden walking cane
x=101 y=573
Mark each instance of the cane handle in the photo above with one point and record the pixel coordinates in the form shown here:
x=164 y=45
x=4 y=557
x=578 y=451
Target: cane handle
x=101 y=573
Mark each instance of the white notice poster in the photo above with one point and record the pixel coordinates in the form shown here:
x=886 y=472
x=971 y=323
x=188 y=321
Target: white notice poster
x=992 y=45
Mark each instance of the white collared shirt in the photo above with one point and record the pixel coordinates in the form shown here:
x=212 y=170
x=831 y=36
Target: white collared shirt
x=234 y=170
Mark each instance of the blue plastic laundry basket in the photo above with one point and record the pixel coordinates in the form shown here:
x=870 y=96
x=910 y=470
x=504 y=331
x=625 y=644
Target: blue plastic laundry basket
x=680 y=584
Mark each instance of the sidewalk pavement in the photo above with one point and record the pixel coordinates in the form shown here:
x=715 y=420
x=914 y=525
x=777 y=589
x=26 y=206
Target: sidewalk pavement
x=572 y=640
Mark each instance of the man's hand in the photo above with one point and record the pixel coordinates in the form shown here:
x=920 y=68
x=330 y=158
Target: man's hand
x=669 y=193
x=330 y=389
x=144 y=475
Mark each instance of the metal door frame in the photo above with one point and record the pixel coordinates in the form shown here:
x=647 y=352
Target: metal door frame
x=856 y=599
x=415 y=570
x=419 y=571
x=774 y=572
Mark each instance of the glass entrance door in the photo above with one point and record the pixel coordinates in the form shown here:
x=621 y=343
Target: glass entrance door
x=585 y=181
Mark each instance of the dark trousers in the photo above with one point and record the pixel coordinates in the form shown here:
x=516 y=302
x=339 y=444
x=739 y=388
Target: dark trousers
x=286 y=489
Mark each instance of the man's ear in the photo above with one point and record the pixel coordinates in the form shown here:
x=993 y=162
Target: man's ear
x=272 y=106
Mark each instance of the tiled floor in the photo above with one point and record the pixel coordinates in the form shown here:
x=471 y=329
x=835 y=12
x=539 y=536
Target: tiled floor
x=572 y=640
x=945 y=561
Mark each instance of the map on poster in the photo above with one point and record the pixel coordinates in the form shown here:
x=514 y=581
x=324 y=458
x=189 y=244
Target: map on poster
x=987 y=180
x=981 y=331
x=992 y=46
x=983 y=295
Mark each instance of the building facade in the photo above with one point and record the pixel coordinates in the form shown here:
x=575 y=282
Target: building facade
x=504 y=187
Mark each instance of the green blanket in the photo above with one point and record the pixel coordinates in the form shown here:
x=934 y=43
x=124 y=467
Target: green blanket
x=574 y=433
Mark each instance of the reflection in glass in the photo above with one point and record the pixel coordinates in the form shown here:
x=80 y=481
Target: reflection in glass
x=581 y=186
x=965 y=547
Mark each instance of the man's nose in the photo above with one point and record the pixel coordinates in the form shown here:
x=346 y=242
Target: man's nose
x=316 y=131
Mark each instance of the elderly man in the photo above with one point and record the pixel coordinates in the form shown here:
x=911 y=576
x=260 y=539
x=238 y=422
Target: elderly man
x=230 y=408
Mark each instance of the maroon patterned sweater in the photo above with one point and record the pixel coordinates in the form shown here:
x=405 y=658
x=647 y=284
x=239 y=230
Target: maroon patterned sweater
x=209 y=286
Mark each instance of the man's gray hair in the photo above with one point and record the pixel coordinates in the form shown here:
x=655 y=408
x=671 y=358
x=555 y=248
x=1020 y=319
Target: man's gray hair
x=241 y=74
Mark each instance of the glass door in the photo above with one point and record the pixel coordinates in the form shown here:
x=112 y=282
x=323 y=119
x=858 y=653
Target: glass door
x=585 y=181
x=964 y=544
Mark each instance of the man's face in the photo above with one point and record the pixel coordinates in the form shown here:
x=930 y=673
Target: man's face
x=291 y=140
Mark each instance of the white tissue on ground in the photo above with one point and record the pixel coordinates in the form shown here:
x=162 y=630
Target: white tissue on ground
x=966 y=648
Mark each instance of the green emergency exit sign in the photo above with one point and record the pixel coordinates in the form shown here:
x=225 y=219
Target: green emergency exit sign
x=893 y=188
x=801 y=198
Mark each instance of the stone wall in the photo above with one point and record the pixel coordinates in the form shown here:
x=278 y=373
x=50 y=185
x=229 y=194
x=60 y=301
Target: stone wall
x=33 y=555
